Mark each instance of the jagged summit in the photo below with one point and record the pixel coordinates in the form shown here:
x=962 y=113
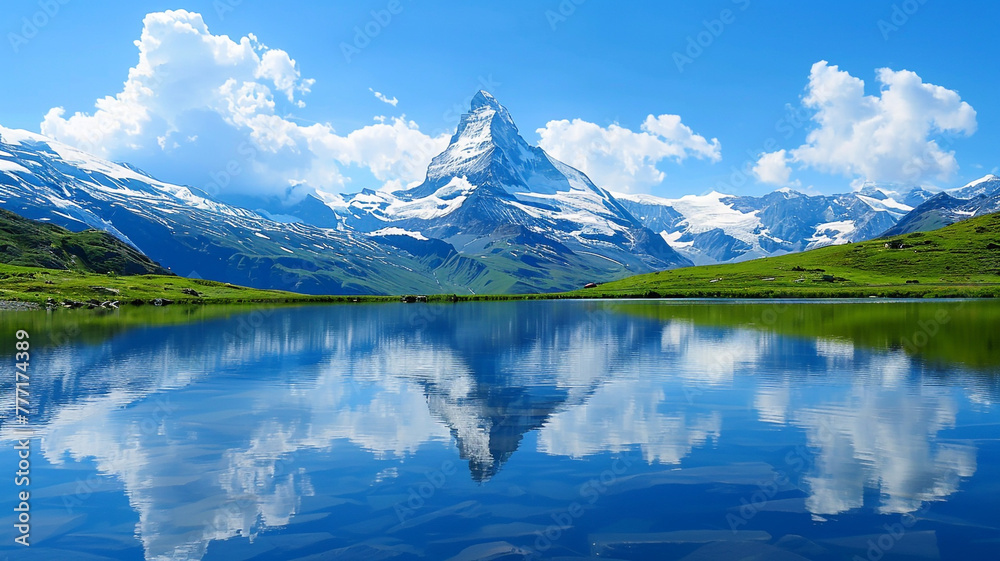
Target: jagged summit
x=486 y=114
x=488 y=151
x=485 y=100
x=486 y=128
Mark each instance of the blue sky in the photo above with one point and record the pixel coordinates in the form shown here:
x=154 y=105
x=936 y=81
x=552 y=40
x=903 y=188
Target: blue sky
x=590 y=74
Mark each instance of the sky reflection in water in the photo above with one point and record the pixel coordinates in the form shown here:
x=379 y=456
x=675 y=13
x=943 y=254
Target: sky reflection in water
x=501 y=431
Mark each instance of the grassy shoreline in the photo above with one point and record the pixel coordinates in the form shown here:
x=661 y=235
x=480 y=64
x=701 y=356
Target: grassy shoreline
x=25 y=286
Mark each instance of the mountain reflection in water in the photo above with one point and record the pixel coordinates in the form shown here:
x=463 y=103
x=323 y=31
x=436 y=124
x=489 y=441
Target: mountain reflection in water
x=324 y=423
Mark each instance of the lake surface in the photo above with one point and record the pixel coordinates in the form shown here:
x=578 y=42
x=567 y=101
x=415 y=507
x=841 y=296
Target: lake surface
x=519 y=430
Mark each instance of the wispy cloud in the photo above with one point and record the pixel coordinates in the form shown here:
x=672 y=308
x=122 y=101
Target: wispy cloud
x=384 y=98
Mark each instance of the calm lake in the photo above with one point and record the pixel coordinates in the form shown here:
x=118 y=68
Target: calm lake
x=628 y=430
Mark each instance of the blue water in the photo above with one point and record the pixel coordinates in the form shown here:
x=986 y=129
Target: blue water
x=534 y=430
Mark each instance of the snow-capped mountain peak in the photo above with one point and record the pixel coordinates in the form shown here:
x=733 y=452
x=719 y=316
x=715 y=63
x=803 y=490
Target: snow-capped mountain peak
x=103 y=177
x=486 y=128
x=985 y=185
x=488 y=151
x=483 y=100
x=489 y=185
x=984 y=179
x=978 y=197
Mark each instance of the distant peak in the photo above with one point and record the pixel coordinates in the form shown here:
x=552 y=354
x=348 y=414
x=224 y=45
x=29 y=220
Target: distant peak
x=984 y=179
x=981 y=186
x=713 y=194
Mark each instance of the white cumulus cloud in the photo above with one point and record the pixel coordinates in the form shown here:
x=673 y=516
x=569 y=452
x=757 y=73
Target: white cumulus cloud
x=216 y=111
x=889 y=137
x=621 y=159
x=773 y=168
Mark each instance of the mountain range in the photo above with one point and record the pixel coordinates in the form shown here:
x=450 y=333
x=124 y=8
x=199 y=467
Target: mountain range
x=494 y=214
x=975 y=199
x=719 y=228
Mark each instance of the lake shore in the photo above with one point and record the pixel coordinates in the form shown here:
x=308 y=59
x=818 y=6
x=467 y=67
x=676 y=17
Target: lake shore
x=54 y=300
x=31 y=289
x=14 y=306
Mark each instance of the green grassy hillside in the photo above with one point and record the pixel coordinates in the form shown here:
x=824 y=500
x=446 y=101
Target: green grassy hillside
x=29 y=243
x=30 y=284
x=959 y=260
